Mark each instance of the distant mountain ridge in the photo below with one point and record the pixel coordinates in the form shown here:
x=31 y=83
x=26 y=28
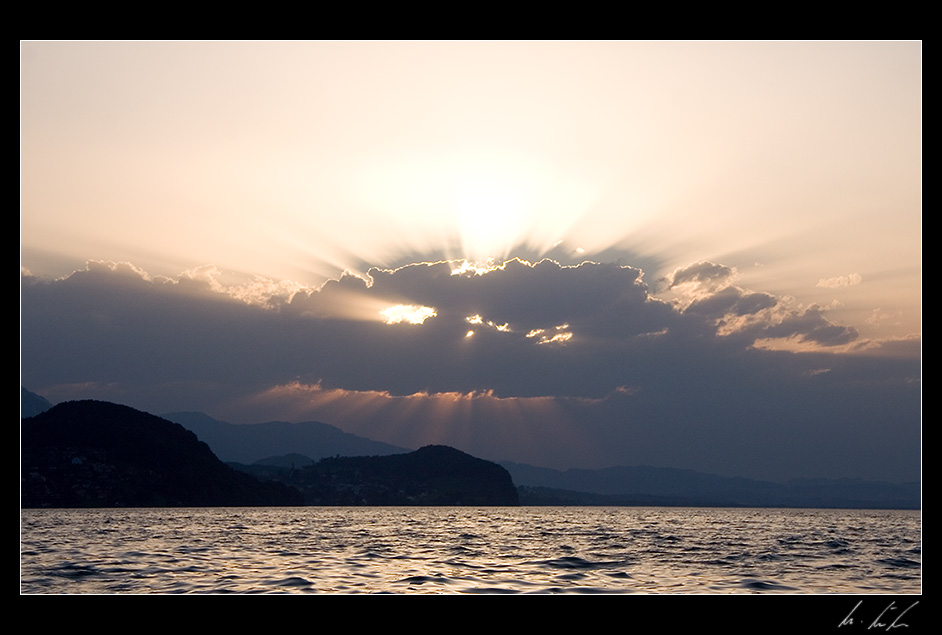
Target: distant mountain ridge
x=250 y=442
x=646 y=485
x=32 y=404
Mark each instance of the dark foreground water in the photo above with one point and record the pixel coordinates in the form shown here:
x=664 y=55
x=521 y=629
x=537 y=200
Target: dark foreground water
x=471 y=550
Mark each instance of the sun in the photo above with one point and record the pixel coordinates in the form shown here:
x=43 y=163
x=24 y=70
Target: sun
x=494 y=213
x=476 y=204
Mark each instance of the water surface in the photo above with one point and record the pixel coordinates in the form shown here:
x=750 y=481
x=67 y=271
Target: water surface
x=471 y=550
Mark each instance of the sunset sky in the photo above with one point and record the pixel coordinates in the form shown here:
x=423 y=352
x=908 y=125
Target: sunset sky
x=573 y=254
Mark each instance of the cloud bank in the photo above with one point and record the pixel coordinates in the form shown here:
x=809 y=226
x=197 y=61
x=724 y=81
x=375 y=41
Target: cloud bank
x=536 y=362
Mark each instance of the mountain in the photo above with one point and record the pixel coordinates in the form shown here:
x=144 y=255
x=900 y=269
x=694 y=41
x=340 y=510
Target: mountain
x=100 y=454
x=432 y=475
x=646 y=485
x=32 y=404
x=247 y=443
x=281 y=451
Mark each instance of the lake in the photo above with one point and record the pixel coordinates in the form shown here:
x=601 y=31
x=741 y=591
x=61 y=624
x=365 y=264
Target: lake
x=464 y=550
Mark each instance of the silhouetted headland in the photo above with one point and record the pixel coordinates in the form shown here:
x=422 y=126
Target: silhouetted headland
x=432 y=475
x=100 y=454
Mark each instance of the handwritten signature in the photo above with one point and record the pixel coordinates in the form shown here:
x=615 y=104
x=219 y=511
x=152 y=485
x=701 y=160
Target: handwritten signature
x=889 y=618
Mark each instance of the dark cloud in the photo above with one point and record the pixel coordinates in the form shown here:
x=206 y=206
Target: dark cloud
x=731 y=301
x=583 y=357
x=811 y=326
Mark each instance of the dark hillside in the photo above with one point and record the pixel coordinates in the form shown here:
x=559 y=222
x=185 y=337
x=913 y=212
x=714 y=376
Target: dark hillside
x=100 y=454
x=432 y=475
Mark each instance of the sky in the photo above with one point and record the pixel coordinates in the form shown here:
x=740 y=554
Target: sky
x=703 y=255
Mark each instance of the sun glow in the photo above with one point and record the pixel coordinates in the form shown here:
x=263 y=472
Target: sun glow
x=503 y=201
x=546 y=336
x=474 y=202
x=477 y=319
x=407 y=313
x=493 y=213
x=462 y=267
